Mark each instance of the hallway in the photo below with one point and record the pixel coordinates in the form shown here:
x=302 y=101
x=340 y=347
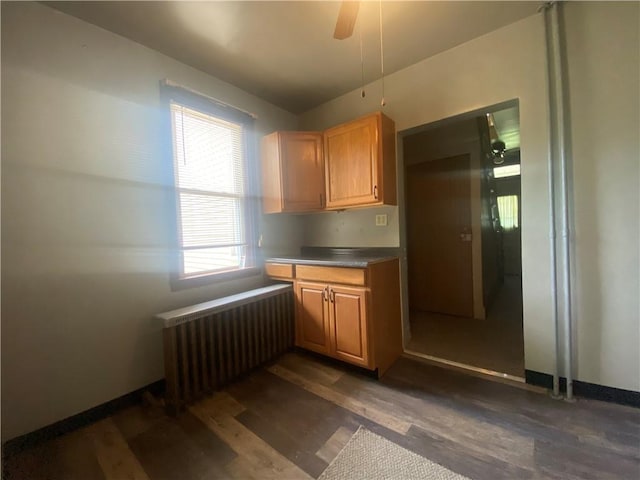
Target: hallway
x=493 y=344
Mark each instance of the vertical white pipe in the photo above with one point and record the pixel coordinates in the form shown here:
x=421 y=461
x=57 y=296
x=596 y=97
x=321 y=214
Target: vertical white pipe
x=552 y=212
x=561 y=143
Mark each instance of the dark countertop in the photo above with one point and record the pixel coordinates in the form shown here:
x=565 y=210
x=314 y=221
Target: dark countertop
x=338 y=257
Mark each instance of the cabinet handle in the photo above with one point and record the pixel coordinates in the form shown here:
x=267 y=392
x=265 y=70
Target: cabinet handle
x=332 y=296
x=375 y=192
x=324 y=294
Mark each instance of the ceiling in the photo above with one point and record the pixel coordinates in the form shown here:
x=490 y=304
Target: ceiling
x=284 y=52
x=507 y=122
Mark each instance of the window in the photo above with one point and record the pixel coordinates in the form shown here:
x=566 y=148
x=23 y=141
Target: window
x=506 y=171
x=508 y=209
x=214 y=217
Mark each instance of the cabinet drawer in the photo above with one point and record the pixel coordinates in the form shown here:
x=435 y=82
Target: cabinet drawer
x=279 y=270
x=347 y=276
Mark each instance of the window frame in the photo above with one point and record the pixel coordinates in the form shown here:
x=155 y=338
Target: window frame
x=181 y=96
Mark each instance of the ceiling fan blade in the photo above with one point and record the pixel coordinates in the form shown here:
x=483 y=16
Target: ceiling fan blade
x=347 y=17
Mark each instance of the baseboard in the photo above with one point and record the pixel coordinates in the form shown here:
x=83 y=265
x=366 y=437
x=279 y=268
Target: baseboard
x=586 y=390
x=79 y=420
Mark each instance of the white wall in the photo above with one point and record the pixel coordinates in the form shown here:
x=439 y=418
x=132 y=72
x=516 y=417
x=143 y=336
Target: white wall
x=503 y=65
x=603 y=43
x=351 y=228
x=603 y=47
x=85 y=230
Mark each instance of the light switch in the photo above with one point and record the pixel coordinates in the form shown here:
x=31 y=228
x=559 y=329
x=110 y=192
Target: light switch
x=381 y=220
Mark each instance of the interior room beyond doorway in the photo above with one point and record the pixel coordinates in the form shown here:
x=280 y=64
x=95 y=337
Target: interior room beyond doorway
x=463 y=221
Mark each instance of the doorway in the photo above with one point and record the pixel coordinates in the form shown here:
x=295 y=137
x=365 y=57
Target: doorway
x=463 y=221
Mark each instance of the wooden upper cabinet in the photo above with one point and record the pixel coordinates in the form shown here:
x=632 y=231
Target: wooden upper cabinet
x=360 y=162
x=292 y=172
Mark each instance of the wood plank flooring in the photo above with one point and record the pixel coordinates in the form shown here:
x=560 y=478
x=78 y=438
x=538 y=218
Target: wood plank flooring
x=290 y=420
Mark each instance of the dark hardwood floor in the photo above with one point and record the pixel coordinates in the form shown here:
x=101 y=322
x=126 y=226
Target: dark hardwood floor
x=290 y=419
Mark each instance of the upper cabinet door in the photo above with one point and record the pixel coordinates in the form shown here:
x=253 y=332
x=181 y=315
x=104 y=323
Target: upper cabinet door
x=360 y=162
x=302 y=171
x=292 y=172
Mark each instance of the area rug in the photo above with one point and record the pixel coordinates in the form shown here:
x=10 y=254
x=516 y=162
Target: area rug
x=368 y=456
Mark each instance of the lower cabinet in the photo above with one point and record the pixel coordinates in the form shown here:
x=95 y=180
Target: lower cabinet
x=312 y=317
x=332 y=319
x=351 y=314
x=348 y=324
x=348 y=313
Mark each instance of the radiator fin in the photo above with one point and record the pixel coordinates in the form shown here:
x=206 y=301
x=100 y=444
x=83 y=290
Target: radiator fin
x=205 y=353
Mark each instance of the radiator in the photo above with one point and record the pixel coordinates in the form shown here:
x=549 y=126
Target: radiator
x=210 y=344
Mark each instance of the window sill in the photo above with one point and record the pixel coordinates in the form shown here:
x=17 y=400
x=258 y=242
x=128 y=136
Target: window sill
x=178 y=283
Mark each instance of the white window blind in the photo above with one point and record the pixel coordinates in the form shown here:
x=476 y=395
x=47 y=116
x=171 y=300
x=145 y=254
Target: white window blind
x=210 y=176
x=508 y=209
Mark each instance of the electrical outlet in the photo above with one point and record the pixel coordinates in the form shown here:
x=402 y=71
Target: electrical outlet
x=381 y=220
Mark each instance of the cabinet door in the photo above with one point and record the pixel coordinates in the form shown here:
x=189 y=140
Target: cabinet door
x=312 y=322
x=271 y=168
x=302 y=171
x=351 y=163
x=348 y=324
